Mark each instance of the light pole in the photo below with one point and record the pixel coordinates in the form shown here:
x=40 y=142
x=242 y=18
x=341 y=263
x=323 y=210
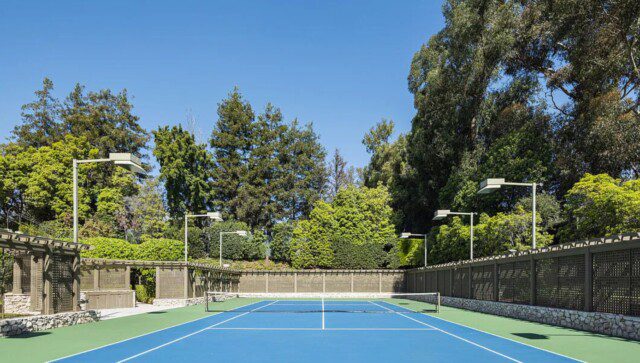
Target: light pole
x=490 y=185
x=443 y=213
x=405 y=235
x=124 y=160
x=216 y=216
x=239 y=233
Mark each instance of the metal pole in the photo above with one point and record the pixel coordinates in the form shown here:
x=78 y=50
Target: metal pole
x=75 y=201
x=186 y=236
x=220 y=249
x=425 y=250
x=472 y=236
x=533 y=222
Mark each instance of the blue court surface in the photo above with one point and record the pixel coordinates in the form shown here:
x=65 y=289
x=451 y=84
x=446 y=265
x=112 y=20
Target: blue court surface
x=319 y=331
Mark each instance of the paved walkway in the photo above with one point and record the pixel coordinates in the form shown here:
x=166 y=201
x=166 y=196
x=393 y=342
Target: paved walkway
x=140 y=308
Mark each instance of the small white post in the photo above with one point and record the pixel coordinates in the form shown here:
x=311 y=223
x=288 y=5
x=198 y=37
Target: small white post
x=533 y=223
x=425 y=250
x=471 y=236
x=220 y=249
x=186 y=236
x=75 y=201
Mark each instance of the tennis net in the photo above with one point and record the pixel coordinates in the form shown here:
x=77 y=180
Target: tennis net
x=217 y=301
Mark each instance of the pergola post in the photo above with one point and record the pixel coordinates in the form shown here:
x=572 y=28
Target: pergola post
x=17 y=276
x=47 y=290
x=76 y=282
x=158 y=282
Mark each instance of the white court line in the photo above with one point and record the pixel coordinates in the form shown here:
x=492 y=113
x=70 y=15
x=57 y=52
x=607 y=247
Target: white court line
x=141 y=335
x=323 y=313
x=192 y=334
x=326 y=329
x=451 y=334
x=498 y=336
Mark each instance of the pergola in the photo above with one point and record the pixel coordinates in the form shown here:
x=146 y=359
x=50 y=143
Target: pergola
x=46 y=275
x=106 y=282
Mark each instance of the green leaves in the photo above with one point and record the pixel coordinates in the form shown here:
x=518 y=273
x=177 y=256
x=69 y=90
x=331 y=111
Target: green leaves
x=601 y=205
x=354 y=231
x=185 y=169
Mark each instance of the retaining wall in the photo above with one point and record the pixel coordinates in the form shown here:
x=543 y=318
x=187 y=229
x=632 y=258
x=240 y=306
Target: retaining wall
x=16 y=326
x=604 y=323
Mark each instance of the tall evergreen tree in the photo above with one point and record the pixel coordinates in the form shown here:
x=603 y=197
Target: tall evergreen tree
x=340 y=175
x=185 y=169
x=40 y=119
x=232 y=143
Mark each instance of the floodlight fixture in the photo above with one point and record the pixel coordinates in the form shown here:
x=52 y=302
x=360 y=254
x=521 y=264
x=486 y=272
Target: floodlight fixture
x=490 y=185
x=441 y=214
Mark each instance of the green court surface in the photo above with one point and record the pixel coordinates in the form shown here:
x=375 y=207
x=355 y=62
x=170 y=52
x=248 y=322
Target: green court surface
x=48 y=345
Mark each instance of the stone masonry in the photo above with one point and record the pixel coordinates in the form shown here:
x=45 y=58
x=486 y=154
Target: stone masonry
x=18 y=304
x=16 y=326
x=603 y=323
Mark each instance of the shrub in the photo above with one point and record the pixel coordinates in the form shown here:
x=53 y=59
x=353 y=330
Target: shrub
x=144 y=295
x=112 y=248
x=160 y=249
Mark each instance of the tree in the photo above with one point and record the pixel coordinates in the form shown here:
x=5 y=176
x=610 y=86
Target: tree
x=40 y=119
x=232 y=141
x=599 y=205
x=144 y=214
x=105 y=119
x=354 y=231
x=339 y=175
x=281 y=235
x=185 y=170
x=303 y=175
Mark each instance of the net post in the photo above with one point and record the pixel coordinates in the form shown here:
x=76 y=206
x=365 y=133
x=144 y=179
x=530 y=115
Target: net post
x=438 y=304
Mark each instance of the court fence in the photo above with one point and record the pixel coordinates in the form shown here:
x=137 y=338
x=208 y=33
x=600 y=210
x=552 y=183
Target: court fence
x=595 y=275
x=303 y=281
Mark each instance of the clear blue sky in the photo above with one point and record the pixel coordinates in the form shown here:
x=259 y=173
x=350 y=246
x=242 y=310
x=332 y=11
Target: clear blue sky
x=342 y=65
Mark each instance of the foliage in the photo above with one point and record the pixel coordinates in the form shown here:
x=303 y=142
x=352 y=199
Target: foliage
x=144 y=295
x=111 y=248
x=340 y=176
x=160 y=249
x=235 y=247
x=281 y=235
x=264 y=170
x=185 y=169
x=354 y=231
x=600 y=205
x=144 y=213
x=410 y=252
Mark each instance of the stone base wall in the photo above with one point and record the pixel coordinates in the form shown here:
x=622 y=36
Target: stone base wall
x=16 y=326
x=178 y=303
x=18 y=304
x=610 y=324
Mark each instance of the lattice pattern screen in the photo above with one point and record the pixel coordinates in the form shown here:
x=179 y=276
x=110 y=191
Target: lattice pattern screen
x=634 y=301
x=432 y=281
x=113 y=278
x=86 y=279
x=61 y=275
x=514 y=282
x=419 y=282
x=461 y=283
x=25 y=274
x=611 y=282
x=483 y=282
x=571 y=282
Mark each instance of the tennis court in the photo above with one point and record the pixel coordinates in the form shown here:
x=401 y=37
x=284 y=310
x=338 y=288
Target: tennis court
x=320 y=330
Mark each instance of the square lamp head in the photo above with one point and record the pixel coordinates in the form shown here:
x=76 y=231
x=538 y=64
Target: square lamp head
x=127 y=161
x=490 y=185
x=405 y=235
x=441 y=214
x=216 y=216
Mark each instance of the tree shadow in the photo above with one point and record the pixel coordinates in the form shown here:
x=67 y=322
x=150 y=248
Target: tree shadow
x=32 y=334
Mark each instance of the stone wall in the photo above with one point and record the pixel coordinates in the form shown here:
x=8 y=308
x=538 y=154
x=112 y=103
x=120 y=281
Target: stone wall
x=604 y=323
x=15 y=326
x=18 y=304
x=177 y=303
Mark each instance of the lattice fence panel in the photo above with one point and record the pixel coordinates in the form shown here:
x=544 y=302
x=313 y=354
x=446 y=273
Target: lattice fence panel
x=61 y=275
x=25 y=274
x=461 y=282
x=514 y=282
x=419 y=282
x=546 y=282
x=483 y=282
x=113 y=278
x=432 y=281
x=634 y=301
x=571 y=282
x=86 y=278
x=611 y=282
